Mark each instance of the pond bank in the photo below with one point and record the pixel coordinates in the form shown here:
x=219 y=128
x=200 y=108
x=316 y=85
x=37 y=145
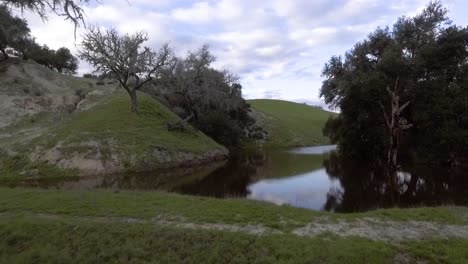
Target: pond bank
x=310 y=177
x=139 y=217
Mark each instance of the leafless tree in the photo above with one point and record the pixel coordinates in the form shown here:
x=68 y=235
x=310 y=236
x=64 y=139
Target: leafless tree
x=199 y=86
x=125 y=57
x=395 y=124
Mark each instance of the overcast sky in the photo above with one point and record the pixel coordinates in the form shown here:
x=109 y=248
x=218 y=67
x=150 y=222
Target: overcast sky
x=277 y=47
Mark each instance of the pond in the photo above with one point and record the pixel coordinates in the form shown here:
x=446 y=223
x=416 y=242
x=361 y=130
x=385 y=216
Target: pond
x=310 y=177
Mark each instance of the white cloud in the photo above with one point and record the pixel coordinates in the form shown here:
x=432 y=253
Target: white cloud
x=268 y=51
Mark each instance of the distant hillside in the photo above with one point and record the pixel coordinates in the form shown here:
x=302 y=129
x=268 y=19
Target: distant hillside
x=292 y=124
x=53 y=124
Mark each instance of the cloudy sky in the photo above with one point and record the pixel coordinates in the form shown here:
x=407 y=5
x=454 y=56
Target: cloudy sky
x=277 y=47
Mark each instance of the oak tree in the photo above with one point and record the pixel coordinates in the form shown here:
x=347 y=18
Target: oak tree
x=125 y=57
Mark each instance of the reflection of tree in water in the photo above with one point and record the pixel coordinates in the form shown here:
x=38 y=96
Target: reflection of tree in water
x=230 y=180
x=365 y=187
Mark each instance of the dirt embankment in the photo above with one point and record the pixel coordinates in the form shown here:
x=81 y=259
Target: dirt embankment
x=94 y=162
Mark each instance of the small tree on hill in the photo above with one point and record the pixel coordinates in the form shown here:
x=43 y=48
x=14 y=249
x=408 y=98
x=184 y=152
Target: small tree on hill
x=124 y=56
x=42 y=55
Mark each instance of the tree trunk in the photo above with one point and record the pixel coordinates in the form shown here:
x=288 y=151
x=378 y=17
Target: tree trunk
x=133 y=98
x=395 y=123
x=392 y=154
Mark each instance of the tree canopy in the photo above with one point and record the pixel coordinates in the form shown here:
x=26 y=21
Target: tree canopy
x=211 y=96
x=16 y=40
x=428 y=57
x=14 y=31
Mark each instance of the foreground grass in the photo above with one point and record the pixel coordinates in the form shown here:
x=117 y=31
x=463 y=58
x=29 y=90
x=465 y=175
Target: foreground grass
x=292 y=124
x=198 y=209
x=26 y=240
x=30 y=234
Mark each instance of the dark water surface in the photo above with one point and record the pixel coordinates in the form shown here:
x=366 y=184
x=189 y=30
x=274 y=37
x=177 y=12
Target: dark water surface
x=310 y=177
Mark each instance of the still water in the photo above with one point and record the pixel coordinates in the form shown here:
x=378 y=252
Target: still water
x=310 y=177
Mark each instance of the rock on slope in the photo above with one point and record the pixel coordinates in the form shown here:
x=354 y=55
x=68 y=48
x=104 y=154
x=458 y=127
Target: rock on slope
x=74 y=123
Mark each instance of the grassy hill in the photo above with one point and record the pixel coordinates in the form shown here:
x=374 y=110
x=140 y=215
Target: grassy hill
x=292 y=124
x=130 y=132
x=110 y=138
x=54 y=125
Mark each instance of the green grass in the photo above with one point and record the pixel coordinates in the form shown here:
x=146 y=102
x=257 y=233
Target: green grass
x=13 y=169
x=26 y=240
x=292 y=124
x=440 y=251
x=198 y=209
x=45 y=226
x=109 y=130
x=114 y=124
x=150 y=204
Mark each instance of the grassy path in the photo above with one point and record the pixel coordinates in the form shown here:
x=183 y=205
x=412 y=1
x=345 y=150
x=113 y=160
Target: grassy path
x=39 y=226
x=369 y=228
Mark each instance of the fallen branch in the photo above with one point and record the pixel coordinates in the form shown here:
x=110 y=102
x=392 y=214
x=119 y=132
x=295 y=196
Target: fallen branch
x=179 y=125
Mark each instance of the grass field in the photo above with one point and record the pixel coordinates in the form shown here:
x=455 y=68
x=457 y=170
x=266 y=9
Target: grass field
x=49 y=226
x=291 y=124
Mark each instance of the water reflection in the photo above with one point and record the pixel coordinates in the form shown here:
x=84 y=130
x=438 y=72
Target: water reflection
x=314 y=178
x=318 y=150
x=308 y=190
x=364 y=187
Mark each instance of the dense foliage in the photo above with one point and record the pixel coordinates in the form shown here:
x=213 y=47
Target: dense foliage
x=16 y=40
x=14 y=31
x=427 y=57
x=210 y=98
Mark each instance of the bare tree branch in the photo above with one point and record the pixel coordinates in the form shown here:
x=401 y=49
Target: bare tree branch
x=125 y=56
x=69 y=9
x=403 y=107
x=387 y=120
